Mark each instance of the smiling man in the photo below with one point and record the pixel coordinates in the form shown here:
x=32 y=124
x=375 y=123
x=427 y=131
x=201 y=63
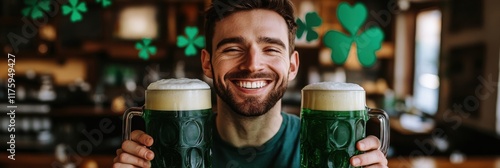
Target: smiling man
x=251 y=63
x=250 y=56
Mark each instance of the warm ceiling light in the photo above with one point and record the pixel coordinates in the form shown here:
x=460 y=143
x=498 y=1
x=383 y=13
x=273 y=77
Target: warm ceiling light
x=43 y=48
x=48 y=32
x=137 y=23
x=404 y=4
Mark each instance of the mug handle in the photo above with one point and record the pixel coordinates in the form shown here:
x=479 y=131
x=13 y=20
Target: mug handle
x=382 y=116
x=127 y=120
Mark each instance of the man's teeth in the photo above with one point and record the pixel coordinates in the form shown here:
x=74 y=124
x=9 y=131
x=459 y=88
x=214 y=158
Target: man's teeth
x=251 y=85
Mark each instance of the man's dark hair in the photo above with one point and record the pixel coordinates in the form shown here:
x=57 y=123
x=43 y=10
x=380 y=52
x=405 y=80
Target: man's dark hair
x=220 y=9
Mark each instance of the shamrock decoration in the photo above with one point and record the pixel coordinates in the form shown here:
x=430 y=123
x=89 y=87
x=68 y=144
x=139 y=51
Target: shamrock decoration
x=312 y=20
x=75 y=8
x=192 y=41
x=367 y=43
x=35 y=8
x=145 y=49
x=105 y=3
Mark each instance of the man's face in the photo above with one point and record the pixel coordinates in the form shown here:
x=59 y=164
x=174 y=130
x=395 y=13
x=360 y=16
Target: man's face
x=250 y=63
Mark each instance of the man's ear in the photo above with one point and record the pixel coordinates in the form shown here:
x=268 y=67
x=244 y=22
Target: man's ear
x=205 y=63
x=294 y=65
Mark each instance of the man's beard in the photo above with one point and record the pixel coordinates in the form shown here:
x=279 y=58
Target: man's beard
x=252 y=106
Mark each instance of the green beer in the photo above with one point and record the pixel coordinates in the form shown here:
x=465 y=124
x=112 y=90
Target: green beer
x=177 y=114
x=333 y=119
x=182 y=138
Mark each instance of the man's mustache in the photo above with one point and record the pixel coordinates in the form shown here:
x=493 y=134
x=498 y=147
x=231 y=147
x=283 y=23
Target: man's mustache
x=248 y=74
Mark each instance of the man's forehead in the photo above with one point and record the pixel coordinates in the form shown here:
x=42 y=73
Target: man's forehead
x=255 y=23
x=252 y=12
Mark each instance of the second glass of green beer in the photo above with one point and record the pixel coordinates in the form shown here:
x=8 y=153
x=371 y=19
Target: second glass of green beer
x=177 y=113
x=333 y=119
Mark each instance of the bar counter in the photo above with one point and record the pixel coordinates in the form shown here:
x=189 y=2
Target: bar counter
x=103 y=161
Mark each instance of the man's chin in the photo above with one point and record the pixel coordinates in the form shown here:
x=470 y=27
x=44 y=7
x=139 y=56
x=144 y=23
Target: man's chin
x=249 y=106
x=249 y=114
x=243 y=109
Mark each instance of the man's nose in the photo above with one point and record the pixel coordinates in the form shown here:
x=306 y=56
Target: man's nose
x=252 y=61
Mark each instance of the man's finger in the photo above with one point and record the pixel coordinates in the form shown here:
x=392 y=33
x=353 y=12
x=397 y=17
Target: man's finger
x=126 y=158
x=118 y=151
x=376 y=166
x=137 y=150
x=373 y=157
x=141 y=137
x=369 y=143
x=121 y=165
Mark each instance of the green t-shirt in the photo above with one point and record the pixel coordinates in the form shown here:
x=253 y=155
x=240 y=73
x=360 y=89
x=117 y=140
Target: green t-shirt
x=282 y=150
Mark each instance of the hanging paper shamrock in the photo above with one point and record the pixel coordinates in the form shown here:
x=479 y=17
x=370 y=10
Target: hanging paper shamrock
x=192 y=41
x=369 y=41
x=312 y=20
x=35 y=8
x=74 y=8
x=145 y=49
x=105 y=3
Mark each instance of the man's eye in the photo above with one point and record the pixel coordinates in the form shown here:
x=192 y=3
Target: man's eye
x=231 y=50
x=272 y=50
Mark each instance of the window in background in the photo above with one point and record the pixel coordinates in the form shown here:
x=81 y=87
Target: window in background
x=427 y=46
x=498 y=98
x=304 y=8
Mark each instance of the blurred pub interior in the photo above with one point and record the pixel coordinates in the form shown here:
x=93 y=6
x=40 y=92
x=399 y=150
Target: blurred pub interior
x=436 y=75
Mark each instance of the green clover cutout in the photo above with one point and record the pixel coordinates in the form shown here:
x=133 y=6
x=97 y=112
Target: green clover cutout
x=105 y=3
x=312 y=20
x=35 y=8
x=340 y=45
x=145 y=49
x=75 y=8
x=352 y=17
x=192 y=41
x=367 y=43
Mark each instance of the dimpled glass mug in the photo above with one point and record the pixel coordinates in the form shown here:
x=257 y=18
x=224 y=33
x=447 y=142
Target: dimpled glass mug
x=177 y=114
x=333 y=118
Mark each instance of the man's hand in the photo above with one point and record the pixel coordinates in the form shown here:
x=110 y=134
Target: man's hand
x=373 y=157
x=134 y=152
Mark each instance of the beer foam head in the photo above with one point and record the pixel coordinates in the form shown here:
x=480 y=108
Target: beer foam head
x=333 y=96
x=333 y=86
x=178 y=84
x=178 y=95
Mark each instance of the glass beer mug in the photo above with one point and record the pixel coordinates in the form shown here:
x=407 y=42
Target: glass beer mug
x=333 y=118
x=177 y=114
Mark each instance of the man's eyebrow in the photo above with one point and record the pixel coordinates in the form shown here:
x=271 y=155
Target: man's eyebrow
x=230 y=40
x=271 y=41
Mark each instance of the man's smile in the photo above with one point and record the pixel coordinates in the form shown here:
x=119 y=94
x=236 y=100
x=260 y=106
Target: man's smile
x=247 y=84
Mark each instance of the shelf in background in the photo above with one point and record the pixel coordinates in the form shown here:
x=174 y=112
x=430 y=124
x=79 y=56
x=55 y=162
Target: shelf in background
x=73 y=111
x=84 y=111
